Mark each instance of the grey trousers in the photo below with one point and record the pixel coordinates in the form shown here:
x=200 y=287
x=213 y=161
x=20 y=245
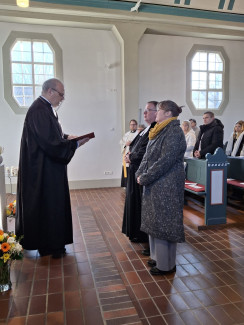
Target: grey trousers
x=163 y=252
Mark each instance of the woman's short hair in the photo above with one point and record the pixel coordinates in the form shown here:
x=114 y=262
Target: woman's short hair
x=169 y=105
x=188 y=123
x=141 y=126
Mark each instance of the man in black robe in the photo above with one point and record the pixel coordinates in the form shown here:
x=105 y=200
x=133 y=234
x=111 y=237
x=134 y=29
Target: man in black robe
x=43 y=214
x=132 y=210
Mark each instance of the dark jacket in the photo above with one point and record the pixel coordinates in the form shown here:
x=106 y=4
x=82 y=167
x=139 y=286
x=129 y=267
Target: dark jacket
x=211 y=137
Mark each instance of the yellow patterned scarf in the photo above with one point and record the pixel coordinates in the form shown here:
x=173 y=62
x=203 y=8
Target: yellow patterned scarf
x=159 y=126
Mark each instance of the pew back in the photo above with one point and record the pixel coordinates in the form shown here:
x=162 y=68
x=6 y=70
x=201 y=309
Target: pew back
x=212 y=174
x=235 y=171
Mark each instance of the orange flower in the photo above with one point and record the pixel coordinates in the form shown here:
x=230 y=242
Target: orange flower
x=5 y=247
x=1 y=232
x=14 y=211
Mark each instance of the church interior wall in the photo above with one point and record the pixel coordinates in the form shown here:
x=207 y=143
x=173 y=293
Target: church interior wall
x=162 y=74
x=92 y=78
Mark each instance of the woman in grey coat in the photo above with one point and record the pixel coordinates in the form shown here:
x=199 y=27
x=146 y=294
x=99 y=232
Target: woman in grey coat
x=161 y=172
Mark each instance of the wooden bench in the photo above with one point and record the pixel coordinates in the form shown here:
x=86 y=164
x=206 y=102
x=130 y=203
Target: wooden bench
x=208 y=178
x=235 y=182
x=235 y=171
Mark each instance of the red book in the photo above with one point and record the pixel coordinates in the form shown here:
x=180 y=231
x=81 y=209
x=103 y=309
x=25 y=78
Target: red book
x=88 y=135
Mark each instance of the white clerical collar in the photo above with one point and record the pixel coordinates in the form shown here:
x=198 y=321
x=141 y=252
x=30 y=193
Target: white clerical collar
x=54 y=112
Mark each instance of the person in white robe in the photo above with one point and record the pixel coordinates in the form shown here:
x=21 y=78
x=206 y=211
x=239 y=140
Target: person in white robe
x=125 y=144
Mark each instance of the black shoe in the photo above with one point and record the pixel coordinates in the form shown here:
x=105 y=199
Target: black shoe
x=155 y=271
x=151 y=263
x=58 y=253
x=135 y=240
x=146 y=252
x=139 y=240
x=44 y=252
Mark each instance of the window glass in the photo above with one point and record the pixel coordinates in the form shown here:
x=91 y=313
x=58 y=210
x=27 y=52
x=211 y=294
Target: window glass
x=32 y=62
x=207 y=79
x=29 y=59
x=207 y=68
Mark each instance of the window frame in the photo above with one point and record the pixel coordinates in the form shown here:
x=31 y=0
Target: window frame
x=6 y=49
x=225 y=98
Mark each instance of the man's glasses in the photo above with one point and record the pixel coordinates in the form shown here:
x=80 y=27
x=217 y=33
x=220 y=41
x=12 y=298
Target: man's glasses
x=149 y=110
x=60 y=94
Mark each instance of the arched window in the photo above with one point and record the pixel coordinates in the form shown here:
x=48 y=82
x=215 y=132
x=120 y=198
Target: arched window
x=33 y=58
x=207 y=79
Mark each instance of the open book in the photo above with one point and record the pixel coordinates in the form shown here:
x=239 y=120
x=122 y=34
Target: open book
x=88 y=135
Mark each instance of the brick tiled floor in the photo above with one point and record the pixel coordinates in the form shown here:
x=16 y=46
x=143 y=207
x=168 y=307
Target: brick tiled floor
x=104 y=279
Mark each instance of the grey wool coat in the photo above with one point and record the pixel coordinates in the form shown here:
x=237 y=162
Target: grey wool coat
x=162 y=174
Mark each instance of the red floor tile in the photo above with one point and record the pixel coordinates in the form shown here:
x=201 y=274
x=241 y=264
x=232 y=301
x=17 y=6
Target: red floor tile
x=104 y=278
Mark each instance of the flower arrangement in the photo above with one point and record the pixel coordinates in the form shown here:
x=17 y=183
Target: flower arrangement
x=10 y=249
x=11 y=209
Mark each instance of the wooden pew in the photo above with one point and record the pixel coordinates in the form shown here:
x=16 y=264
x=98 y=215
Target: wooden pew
x=235 y=182
x=235 y=171
x=208 y=178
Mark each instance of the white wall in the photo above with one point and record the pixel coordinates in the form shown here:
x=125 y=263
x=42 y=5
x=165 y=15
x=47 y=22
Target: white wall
x=92 y=100
x=162 y=74
x=93 y=91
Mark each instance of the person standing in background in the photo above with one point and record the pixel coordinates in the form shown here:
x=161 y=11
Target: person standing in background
x=140 y=128
x=190 y=138
x=43 y=210
x=210 y=137
x=125 y=143
x=235 y=146
x=194 y=126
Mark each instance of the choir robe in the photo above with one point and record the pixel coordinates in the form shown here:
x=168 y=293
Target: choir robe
x=43 y=213
x=132 y=209
x=129 y=136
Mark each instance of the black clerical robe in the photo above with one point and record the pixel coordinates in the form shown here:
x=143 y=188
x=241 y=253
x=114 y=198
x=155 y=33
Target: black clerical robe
x=43 y=214
x=132 y=209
